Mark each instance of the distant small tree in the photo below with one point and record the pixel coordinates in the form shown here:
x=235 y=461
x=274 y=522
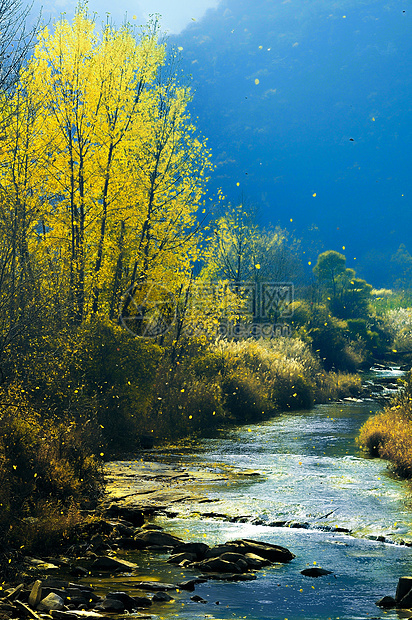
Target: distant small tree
x=231 y=253
x=241 y=251
x=353 y=300
x=329 y=267
x=401 y=267
x=348 y=296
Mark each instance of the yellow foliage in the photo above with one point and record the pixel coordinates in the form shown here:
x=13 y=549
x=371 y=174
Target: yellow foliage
x=389 y=436
x=103 y=164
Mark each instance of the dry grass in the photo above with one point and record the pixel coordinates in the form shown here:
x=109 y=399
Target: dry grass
x=331 y=386
x=52 y=528
x=46 y=474
x=388 y=435
x=399 y=325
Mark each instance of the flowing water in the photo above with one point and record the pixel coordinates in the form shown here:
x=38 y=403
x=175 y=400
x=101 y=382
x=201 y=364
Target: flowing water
x=307 y=486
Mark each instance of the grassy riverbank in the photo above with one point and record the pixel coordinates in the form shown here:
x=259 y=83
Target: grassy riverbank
x=388 y=435
x=88 y=393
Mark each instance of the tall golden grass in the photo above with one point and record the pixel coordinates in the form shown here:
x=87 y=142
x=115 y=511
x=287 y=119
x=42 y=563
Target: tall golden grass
x=388 y=435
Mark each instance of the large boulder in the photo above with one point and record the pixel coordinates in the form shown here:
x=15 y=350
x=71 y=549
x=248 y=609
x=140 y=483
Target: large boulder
x=256 y=561
x=217 y=565
x=189 y=584
x=52 y=601
x=273 y=553
x=128 y=601
x=403 y=588
x=155 y=538
x=232 y=576
x=111 y=605
x=154 y=586
x=105 y=563
x=198 y=548
x=315 y=571
x=386 y=601
x=218 y=550
x=237 y=558
x=129 y=513
x=142 y=601
x=177 y=558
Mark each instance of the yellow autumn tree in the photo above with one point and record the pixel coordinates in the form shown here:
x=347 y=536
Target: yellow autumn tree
x=114 y=168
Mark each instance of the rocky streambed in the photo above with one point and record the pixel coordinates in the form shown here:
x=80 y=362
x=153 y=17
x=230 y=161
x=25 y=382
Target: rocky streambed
x=99 y=556
x=284 y=519
x=125 y=565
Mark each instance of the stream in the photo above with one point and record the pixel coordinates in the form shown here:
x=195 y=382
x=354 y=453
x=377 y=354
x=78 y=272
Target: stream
x=303 y=484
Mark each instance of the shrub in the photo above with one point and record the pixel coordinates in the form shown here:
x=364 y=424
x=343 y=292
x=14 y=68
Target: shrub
x=40 y=462
x=399 y=325
x=183 y=401
x=336 y=385
x=245 y=395
x=389 y=436
x=50 y=526
x=280 y=373
x=97 y=375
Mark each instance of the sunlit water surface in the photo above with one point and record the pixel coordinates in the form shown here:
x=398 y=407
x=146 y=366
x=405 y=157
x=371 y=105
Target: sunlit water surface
x=312 y=476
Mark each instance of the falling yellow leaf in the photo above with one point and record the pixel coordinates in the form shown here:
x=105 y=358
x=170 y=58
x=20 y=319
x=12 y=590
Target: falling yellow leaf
x=256 y=81
x=180 y=49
